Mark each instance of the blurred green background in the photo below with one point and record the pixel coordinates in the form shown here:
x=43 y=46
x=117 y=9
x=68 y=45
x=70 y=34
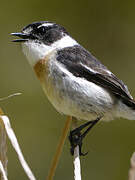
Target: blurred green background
x=107 y=29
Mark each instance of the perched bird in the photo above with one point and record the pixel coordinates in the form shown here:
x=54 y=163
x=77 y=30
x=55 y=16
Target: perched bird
x=75 y=82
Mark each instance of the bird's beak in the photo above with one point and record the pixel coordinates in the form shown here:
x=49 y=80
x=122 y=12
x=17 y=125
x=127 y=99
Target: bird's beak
x=23 y=37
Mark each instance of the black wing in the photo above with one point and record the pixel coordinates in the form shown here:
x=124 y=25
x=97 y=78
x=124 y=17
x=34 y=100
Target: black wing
x=82 y=64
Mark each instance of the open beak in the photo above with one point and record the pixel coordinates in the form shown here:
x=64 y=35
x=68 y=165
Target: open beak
x=23 y=37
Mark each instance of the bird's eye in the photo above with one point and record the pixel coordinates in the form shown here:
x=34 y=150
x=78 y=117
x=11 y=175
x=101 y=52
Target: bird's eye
x=41 y=30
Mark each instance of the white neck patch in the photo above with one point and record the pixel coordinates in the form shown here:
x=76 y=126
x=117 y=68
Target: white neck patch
x=64 y=42
x=35 y=51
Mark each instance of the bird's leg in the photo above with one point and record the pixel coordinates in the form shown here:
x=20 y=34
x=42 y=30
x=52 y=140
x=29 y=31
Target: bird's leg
x=76 y=136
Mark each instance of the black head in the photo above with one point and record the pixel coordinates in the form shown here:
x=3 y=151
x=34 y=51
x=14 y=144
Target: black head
x=43 y=32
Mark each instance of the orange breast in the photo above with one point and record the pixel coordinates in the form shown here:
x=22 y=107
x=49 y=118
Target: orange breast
x=41 y=69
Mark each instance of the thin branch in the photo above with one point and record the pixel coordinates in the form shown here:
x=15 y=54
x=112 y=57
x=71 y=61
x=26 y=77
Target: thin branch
x=132 y=168
x=59 y=148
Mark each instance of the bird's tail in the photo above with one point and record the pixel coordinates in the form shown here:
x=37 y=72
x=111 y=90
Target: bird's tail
x=129 y=102
x=126 y=108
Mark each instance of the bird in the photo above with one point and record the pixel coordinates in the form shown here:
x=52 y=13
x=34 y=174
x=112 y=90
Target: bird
x=76 y=83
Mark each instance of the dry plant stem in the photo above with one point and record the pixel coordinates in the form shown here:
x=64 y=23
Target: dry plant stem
x=77 y=164
x=3 y=148
x=132 y=168
x=59 y=148
x=76 y=161
x=14 y=142
x=3 y=172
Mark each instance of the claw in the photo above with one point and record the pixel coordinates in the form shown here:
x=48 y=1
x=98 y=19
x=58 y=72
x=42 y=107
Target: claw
x=76 y=140
x=76 y=136
x=83 y=154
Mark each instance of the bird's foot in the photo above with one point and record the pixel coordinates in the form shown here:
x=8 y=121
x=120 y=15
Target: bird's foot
x=76 y=136
x=76 y=139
